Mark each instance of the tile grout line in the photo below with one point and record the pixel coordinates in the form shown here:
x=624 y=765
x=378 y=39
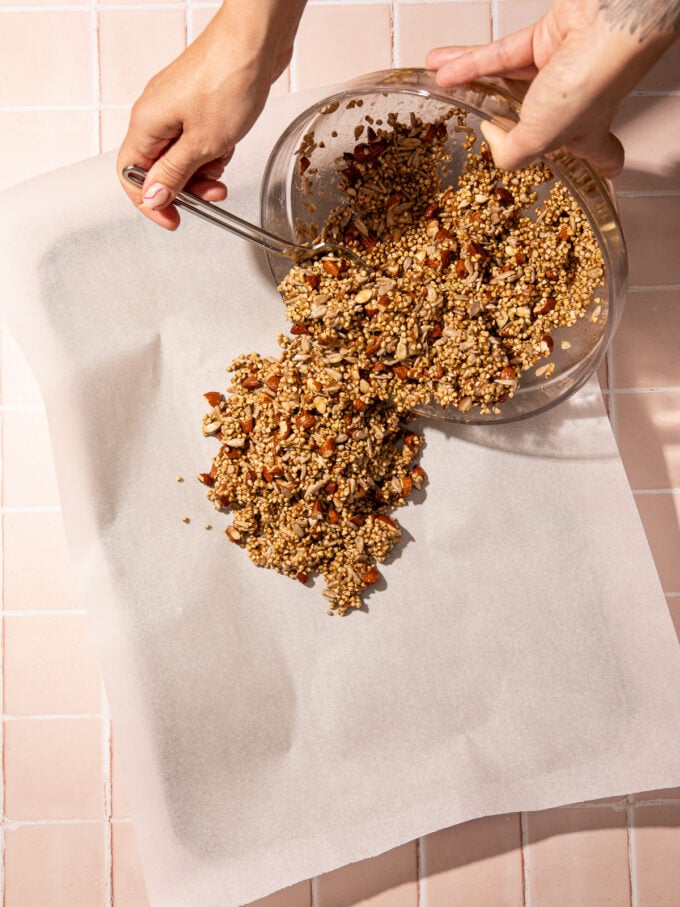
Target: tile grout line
x=421 y=873
x=650 y=287
x=2 y=693
x=630 y=838
x=69 y=717
x=671 y=389
x=14 y=824
x=526 y=864
x=51 y=508
x=2 y=651
x=292 y=70
x=314 y=892
x=395 y=33
x=108 y=808
x=611 y=398
x=189 y=31
x=47 y=612
x=494 y=17
x=85 y=6
x=648 y=193
x=96 y=77
x=60 y=108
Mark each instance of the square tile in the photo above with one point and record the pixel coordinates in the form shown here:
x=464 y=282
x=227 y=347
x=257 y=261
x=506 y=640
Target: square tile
x=38 y=575
x=114 y=126
x=660 y=514
x=477 y=863
x=129 y=889
x=200 y=17
x=651 y=225
x=50 y=666
x=649 y=128
x=578 y=856
x=17 y=381
x=55 y=866
x=388 y=880
x=281 y=85
x=418 y=27
x=42 y=140
x=54 y=768
x=656 y=845
x=29 y=478
x=299 y=895
x=645 y=348
x=46 y=58
x=648 y=435
x=512 y=15
x=133 y=46
x=335 y=43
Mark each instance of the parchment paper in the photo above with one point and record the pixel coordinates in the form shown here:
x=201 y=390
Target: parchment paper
x=518 y=656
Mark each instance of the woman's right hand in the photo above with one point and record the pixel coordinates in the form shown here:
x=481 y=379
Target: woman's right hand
x=184 y=126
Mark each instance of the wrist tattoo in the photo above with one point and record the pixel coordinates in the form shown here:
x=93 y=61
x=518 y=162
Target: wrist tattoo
x=643 y=17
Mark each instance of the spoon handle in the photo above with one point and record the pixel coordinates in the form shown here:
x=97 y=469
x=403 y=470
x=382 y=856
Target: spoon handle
x=221 y=218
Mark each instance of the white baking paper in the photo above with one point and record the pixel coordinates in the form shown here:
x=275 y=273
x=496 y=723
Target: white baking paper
x=518 y=655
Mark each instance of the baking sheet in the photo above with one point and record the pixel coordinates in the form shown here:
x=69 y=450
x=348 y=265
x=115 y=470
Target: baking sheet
x=518 y=654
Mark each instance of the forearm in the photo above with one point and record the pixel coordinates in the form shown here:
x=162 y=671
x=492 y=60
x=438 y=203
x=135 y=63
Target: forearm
x=260 y=28
x=648 y=21
x=640 y=33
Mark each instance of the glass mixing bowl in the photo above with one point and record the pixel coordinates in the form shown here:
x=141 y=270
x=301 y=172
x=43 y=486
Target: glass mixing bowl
x=285 y=205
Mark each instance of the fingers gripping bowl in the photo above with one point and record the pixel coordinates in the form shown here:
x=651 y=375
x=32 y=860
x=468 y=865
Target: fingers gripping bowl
x=306 y=186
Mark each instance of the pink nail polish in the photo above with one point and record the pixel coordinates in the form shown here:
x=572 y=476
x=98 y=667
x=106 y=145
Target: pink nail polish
x=157 y=196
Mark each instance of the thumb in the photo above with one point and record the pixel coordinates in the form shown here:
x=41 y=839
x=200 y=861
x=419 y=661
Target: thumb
x=171 y=172
x=519 y=147
x=511 y=150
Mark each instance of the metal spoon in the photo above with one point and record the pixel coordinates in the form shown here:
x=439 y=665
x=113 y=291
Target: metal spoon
x=221 y=218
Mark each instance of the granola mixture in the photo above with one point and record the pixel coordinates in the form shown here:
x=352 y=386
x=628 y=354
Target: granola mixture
x=310 y=471
x=465 y=292
x=468 y=287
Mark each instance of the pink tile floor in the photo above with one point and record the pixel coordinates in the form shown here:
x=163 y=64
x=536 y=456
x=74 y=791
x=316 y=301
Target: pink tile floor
x=69 y=76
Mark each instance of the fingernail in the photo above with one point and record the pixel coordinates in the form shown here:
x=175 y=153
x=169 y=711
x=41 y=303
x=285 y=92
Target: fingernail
x=157 y=196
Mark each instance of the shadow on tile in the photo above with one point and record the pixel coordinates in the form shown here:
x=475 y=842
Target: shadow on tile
x=481 y=862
